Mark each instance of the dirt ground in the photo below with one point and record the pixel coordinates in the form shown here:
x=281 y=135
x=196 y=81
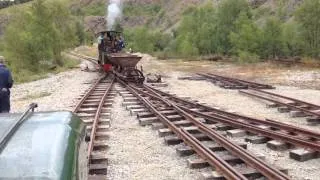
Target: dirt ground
x=152 y=159
x=300 y=83
x=264 y=72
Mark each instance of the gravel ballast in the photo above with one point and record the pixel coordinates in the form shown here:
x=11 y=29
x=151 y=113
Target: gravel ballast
x=58 y=92
x=137 y=152
x=207 y=92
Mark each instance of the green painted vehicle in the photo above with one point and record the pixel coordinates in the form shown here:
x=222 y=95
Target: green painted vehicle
x=45 y=146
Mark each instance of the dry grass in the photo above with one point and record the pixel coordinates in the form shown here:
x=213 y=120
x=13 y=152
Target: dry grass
x=35 y=96
x=311 y=63
x=87 y=50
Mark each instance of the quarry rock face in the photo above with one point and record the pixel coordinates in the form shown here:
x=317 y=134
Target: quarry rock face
x=95 y=24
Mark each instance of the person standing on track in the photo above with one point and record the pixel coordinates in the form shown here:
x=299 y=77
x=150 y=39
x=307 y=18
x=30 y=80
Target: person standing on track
x=100 y=47
x=6 y=83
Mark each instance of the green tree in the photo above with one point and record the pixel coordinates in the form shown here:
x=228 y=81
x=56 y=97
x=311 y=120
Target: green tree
x=197 y=31
x=246 y=37
x=186 y=48
x=140 y=39
x=272 y=45
x=36 y=37
x=228 y=12
x=308 y=15
x=291 y=38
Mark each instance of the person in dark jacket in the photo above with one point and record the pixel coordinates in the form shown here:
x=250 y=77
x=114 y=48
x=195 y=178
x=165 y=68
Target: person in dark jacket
x=6 y=83
x=100 y=47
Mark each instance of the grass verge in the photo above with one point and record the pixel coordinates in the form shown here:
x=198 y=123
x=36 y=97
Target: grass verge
x=24 y=76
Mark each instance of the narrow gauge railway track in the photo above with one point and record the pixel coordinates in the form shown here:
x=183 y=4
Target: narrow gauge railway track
x=233 y=83
x=277 y=135
x=295 y=107
x=94 y=109
x=172 y=116
x=91 y=59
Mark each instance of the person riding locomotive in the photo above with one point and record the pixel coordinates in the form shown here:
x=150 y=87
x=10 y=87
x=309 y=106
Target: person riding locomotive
x=109 y=42
x=113 y=59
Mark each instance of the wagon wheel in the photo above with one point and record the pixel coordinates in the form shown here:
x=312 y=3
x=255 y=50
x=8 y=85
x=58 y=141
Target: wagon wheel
x=134 y=75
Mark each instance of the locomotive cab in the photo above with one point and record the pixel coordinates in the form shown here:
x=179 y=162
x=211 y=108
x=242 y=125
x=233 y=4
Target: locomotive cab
x=109 y=42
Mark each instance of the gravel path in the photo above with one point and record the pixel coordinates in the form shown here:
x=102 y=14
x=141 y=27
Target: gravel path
x=137 y=152
x=212 y=95
x=58 y=92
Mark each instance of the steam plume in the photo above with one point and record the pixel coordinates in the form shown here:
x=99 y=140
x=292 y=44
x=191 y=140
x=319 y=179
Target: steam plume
x=114 y=13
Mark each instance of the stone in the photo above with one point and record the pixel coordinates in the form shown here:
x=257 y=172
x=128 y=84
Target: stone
x=187 y=150
x=257 y=139
x=223 y=127
x=147 y=121
x=283 y=109
x=272 y=105
x=297 y=114
x=236 y=133
x=278 y=145
x=303 y=154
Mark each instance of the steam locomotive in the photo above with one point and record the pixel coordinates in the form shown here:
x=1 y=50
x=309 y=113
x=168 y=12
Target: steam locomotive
x=112 y=57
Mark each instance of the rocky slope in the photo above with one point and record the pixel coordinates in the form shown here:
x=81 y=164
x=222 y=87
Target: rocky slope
x=161 y=14
x=166 y=14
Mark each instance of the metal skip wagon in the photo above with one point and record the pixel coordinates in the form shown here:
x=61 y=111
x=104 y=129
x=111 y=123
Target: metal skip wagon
x=125 y=67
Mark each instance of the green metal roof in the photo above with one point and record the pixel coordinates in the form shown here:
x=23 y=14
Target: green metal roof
x=44 y=147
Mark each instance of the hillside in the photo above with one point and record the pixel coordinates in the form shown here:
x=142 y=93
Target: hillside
x=161 y=14
x=166 y=14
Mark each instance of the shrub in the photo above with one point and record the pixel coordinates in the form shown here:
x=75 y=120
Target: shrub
x=35 y=38
x=247 y=57
x=308 y=16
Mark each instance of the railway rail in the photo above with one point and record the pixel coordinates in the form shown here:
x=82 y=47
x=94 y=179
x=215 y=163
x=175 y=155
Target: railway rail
x=181 y=120
x=94 y=109
x=295 y=107
x=266 y=130
x=91 y=59
x=277 y=135
x=233 y=83
x=192 y=132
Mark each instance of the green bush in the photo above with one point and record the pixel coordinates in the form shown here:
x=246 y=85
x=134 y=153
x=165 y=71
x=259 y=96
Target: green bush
x=34 y=39
x=246 y=37
x=144 y=40
x=233 y=28
x=308 y=16
x=272 y=45
x=247 y=57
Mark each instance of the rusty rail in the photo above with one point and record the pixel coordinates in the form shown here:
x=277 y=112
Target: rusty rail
x=91 y=59
x=89 y=108
x=234 y=83
x=87 y=94
x=256 y=163
x=228 y=171
x=297 y=104
x=96 y=119
x=309 y=138
x=213 y=160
